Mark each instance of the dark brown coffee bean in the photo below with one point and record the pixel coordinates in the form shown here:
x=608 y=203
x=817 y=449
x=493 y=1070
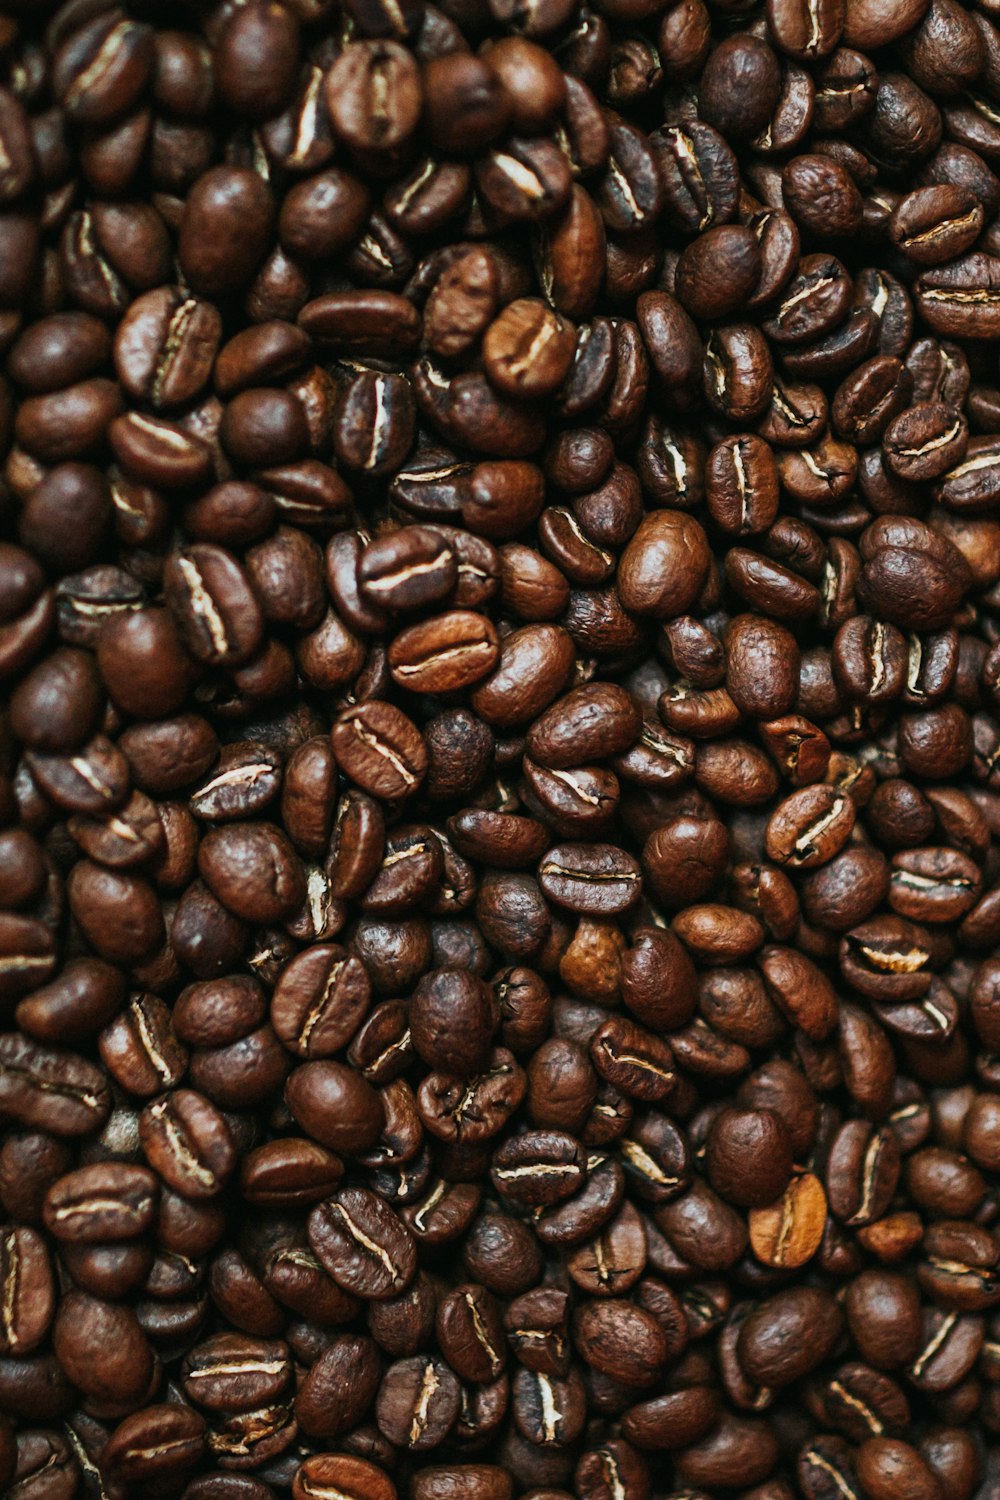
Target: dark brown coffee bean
x=896 y=554
x=335 y=1106
x=663 y=567
x=363 y=1244
x=444 y=654
x=620 y=1340
x=253 y=870
x=770 y=1354
x=29 y=1290
x=102 y=1348
x=925 y=441
x=187 y=1141
x=739 y=86
x=225 y=229
x=289 y=1172
x=548 y=1411
x=594 y=879
x=862 y=1171
x=718 y=271
x=320 y=1000
x=960 y=297
x=418 y=1402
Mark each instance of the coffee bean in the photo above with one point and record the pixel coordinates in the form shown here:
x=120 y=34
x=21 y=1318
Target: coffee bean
x=363 y=1244
x=477 y=1481
x=418 y=1402
x=408 y=569
x=740 y=85
x=925 y=441
x=664 y=565
x=335 y=1106
x=102 y=1348
x=958 y=300
x=231 y=1372
x=826 y=1467
x=57 y=1091
x=528 y=349
x=548 y=1411
x=320 y=1000
x=187 y=1141
x=805 y=31
x=101 y=1203
x=332 y=1472
x=165 y=345
x=381 y=749
x=862 y=1171
x=29 y=1290
x=595 y=879
x=224 y=229
x=767 y=1347
x=748 y=1156
x=718 y=271
x=216 y=611
x=253 y=870
x=452 y=1018
x=788 y=1232
x=444 y=654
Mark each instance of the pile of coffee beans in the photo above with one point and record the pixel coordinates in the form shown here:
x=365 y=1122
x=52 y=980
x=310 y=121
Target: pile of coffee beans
x=500 y=749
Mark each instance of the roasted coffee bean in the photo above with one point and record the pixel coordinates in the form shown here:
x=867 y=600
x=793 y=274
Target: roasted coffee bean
x=788 y=1232
x=363 y=1244
x=320 y=1000
x=591 y=879
x=862 y=1171
x=232 y=1372
x=188 y=1142
x=381 y=749
x=925 y=441
x=809 y=827
x=470 y=1333
x=451 y=1020
x=444 y=654
x=335 y=1106
x=165 y=345
x=769 y=1350
x=52 y=1090
x=548 y=1411
x=664 y=566
x=102 y=1203
x=538 y=1169
x=325 y=1473
x=253 y=870
x=215 y=608
x=418 y=1402
x=748 y=1156
x=29 y=1290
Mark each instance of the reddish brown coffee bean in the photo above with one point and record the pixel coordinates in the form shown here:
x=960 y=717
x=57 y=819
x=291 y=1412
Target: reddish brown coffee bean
x=381 y=749
x=663 y=567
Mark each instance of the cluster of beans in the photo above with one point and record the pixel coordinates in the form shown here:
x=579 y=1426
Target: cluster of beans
x=500 y=754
